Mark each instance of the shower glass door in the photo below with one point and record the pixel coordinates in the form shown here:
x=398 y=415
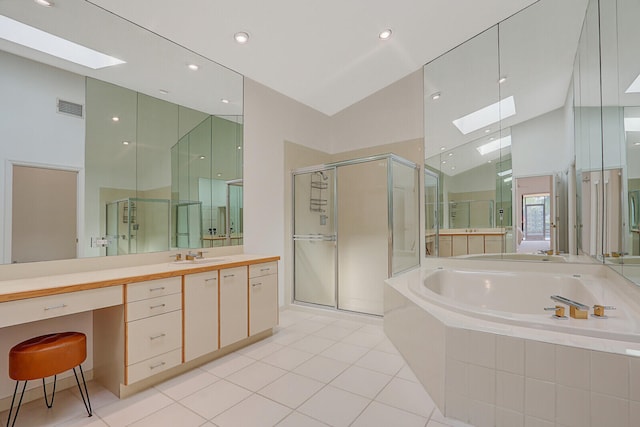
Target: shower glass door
x=314 y=237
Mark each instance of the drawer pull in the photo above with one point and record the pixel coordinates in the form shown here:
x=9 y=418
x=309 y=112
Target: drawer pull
x=265 y=269
x=229 y=275
x=55 y=307
x=156 y=306
x=213 y=278
x=257 y=284
x=160 y=288
x=157 y=336
x=157 y=365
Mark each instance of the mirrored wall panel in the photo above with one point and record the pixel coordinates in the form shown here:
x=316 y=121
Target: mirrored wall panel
x=153 y=131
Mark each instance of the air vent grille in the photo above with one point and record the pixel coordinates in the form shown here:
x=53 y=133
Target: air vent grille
x=71 y=108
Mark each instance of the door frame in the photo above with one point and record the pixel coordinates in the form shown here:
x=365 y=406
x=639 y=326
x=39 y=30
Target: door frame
x=8 y=203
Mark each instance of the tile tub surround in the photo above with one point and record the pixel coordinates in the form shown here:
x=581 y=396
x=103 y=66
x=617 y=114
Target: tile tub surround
x=490 y=374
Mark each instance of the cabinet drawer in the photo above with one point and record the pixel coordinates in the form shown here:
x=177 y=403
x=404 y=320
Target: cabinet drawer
x=153 y=336
x=155 y=365
x=153 y=288
x=153 y=306
x=263 y=269
x=32 y=309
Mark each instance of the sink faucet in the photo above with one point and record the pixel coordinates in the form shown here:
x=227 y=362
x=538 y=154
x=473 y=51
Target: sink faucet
x=192 y=255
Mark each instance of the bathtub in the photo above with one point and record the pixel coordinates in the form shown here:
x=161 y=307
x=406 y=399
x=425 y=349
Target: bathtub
x=477 y=337
x=517 y=257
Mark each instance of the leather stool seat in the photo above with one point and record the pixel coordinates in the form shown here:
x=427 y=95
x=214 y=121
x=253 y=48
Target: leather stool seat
x=45 y=356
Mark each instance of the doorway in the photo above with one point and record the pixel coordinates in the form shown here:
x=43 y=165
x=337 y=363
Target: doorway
x=535 y=210
x=44 y=214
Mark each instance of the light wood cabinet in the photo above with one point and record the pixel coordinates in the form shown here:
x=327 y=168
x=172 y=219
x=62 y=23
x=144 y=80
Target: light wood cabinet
x=153 y=328
x=475 y=244
x=200 y=314
x=234 y=309
x=459 y=245
x=263 y=297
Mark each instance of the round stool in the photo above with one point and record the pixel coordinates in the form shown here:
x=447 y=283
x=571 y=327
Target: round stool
x=44 y=356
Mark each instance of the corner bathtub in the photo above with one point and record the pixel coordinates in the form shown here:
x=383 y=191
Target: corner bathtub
x=469 y=329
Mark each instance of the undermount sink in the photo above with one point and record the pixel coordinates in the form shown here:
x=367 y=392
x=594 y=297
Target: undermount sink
x=201 y=261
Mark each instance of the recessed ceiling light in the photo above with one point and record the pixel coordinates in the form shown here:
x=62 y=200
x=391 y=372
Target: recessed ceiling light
x=202 y=157
x=33 y=38
x=450 y=154
x=491 y=139
x=487 y=130
x=502 y=79
x=219 y=175
x=241 y=37
x=163 y=91
x=436 y=96
x=224 y=100
x=44 y=3
x=486 y=116
x=239 y=147
x=385 y=34
x=442 y=148
x=193 y=67
x=115 y=118
x=125 y=142
x=637 y=143
x=492 y=146
x=444 y=162
x=453 y=168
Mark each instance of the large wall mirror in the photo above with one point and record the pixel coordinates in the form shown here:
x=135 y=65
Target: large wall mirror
x=549 y=165
x=155 y=142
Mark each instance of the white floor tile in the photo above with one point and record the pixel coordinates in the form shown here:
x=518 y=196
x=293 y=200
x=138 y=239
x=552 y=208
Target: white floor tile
x=381 y=415
x=287 y=358
x=291 y=389
x=333 y=332
x=286 y=337
x=260 y=349
x=349 y=324
x=408 y=396
x=256 y=376
x=363 y=339
x=321 y=368
x=228 y=364
x=172 y=415
x=35 y=413
x=296 y=419
x=387 y=346
x=380 y=361
x=361 y=381
x=313 y=344
x=373 y=330
x=79 y=421
x=215 y=399
x=307 y=326
x=98 y=395
x=344 y=352
x=134 y=408
x=407 y=374
x=334 y=406
x=323 y=319
x=187 y=383
x=255 y=411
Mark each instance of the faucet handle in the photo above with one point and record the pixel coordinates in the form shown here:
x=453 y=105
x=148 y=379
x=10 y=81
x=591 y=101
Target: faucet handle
x=559 y=311
x=178 y=256
x=598 y=310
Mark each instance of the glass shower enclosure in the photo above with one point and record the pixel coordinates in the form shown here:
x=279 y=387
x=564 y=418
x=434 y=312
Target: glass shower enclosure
x=355 y=224
x=137 y=225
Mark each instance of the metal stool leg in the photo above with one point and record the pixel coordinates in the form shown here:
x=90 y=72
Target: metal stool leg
x=19 y=403
x=53 y=395
x=87 y=403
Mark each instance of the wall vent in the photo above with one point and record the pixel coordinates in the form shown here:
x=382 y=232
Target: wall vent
x=71 y=108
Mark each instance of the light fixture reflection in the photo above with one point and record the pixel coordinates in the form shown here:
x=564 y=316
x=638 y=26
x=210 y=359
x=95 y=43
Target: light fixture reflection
x=241 y=37
x=385 y=34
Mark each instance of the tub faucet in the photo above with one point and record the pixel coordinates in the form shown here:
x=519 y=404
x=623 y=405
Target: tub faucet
x=577 y=310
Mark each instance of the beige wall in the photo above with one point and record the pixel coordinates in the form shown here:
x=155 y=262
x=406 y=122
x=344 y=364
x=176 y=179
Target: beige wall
x=282 y=134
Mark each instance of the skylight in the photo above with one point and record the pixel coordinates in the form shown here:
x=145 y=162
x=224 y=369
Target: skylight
x=42 y=41
x=486 y=116
x=634 y=87
x=494 y=145
x=632 y=124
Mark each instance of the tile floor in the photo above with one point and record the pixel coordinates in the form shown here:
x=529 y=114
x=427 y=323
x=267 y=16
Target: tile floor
x=318 y=369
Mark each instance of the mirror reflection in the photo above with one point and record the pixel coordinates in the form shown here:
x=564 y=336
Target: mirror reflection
x=154 y=143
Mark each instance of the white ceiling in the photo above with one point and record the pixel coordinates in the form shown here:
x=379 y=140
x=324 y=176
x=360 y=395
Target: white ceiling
x=325 y=54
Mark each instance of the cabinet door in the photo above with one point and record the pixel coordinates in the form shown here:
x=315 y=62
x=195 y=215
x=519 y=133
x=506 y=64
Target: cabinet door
x=200 y=314
x=444 y=248
x=263 y=303
x=493 y=244
x=459 y=245
x=476 y=244
x=234 y=310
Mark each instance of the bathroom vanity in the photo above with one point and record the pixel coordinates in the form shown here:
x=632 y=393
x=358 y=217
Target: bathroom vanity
x=455 y=242
x=153 y=321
